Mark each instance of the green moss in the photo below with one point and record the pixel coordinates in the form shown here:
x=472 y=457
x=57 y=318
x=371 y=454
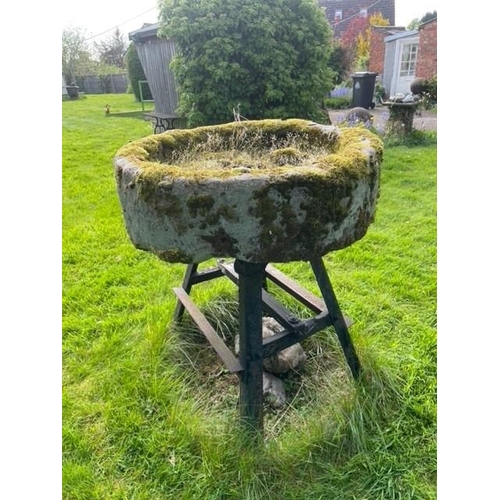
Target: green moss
x=347 y=155
x=286 y=156
x=222 y=243
x=175 y=255
x=159 y=154
x=326 y=201
x=333 y=150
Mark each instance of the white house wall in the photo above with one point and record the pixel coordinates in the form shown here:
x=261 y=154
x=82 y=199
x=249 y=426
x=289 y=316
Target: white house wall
x=390 y=51
x=392 y=60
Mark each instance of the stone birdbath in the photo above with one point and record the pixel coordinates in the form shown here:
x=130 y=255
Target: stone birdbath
x=401 y=116
x=258 y=192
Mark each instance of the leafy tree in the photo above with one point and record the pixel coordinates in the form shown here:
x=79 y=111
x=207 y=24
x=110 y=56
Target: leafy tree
x=136 y=72
x=363 y=41
x=415 y=23
x=350 y=36
x=260 y=58
x=75 y=53
x=339 y=62
x=357 y=37
x=112 y=50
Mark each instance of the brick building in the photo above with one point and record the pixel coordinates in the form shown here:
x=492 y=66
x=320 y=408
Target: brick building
x=340 y=12
x=427 y=50
x=377 y=46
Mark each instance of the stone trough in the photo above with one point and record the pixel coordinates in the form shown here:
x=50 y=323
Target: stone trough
x=258 y=192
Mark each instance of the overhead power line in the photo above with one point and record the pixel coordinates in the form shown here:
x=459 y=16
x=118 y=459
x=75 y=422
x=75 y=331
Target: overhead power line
x=118 y=25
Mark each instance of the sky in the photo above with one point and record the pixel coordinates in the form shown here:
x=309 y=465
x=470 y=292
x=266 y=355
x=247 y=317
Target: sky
x=99 y=18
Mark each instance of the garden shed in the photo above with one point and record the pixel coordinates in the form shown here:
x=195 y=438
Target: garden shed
x=155 y=55
x=401 y=52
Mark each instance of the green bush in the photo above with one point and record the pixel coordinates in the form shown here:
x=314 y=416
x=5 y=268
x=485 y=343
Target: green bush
x=254 y=58
x=337 y=102
x=429 y=91
x=339 y=62
x=136 y=73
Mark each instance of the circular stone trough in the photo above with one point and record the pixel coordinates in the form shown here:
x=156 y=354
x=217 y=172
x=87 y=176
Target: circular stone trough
x=258 y=191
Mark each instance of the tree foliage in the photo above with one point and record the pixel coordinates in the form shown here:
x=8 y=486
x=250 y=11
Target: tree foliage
x=136 y=72
x=339 y=62
x=415 y=23
x=364 y=38
x=357 y=38
x=428 y=16
x=262 y=58
x=75 y=53
x=112 y=50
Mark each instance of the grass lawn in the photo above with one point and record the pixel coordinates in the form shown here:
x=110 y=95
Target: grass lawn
x=148 y=412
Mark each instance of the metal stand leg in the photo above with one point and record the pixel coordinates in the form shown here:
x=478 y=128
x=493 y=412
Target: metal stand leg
x=250 y=315
x=336 y=316
x=186 y=284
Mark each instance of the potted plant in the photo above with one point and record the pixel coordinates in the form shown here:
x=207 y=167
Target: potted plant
x=72 y=90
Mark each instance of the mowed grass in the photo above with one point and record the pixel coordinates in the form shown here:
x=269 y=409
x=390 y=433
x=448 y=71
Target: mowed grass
x=148 y=411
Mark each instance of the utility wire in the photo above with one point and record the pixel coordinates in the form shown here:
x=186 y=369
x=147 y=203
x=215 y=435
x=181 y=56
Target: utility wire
x=121 y=24
x=357 y=13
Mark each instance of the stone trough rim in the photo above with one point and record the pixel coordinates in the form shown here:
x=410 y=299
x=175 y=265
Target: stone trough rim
x=137 y=153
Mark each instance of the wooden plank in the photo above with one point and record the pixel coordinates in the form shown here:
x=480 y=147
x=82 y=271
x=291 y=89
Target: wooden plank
x=304 y=296
x=338 y=322
x=250 y=315
x=227 y=357
x=287 y=338
x=270 y=305
x=206 y=275
x=156 y=55
x=187 y=283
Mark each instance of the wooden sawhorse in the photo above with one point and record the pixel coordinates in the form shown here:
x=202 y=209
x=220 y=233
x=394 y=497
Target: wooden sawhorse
x=251 y=279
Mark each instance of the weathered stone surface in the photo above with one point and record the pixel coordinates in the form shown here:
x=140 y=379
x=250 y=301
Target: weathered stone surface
x=291 y=358
x=274 y=390
x=257 y=213
x=358 y=115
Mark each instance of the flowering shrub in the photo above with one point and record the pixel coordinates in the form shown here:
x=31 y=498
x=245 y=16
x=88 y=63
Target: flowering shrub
x=340 y=98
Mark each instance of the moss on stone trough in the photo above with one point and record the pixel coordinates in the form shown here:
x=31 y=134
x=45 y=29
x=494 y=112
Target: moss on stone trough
x=260 y=191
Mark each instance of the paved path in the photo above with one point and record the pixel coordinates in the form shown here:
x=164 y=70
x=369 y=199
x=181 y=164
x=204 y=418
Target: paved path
x=426 y=121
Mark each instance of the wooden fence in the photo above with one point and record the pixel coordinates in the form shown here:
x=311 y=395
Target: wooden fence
x=104 y=84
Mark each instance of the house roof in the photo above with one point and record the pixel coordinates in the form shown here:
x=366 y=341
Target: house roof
x=351 y=9
x=147 y=31
x=434 y=19
x=403 y=34
x=389 y=30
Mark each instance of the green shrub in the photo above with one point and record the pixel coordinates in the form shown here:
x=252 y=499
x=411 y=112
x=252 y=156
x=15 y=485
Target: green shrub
x=339 y=62
x=337 y=102
x=339 y=98
x=136 y=73
x=429 y=91
x=255 y=58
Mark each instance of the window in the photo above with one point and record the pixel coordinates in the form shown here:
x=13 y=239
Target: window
x=338 y=15
x=363 y=13
x=408 y=60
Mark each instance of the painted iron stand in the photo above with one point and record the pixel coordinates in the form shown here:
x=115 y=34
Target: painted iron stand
x=254 y=300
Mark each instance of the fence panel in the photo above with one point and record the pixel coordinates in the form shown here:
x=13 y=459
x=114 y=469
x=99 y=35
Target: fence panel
x=104 y=84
